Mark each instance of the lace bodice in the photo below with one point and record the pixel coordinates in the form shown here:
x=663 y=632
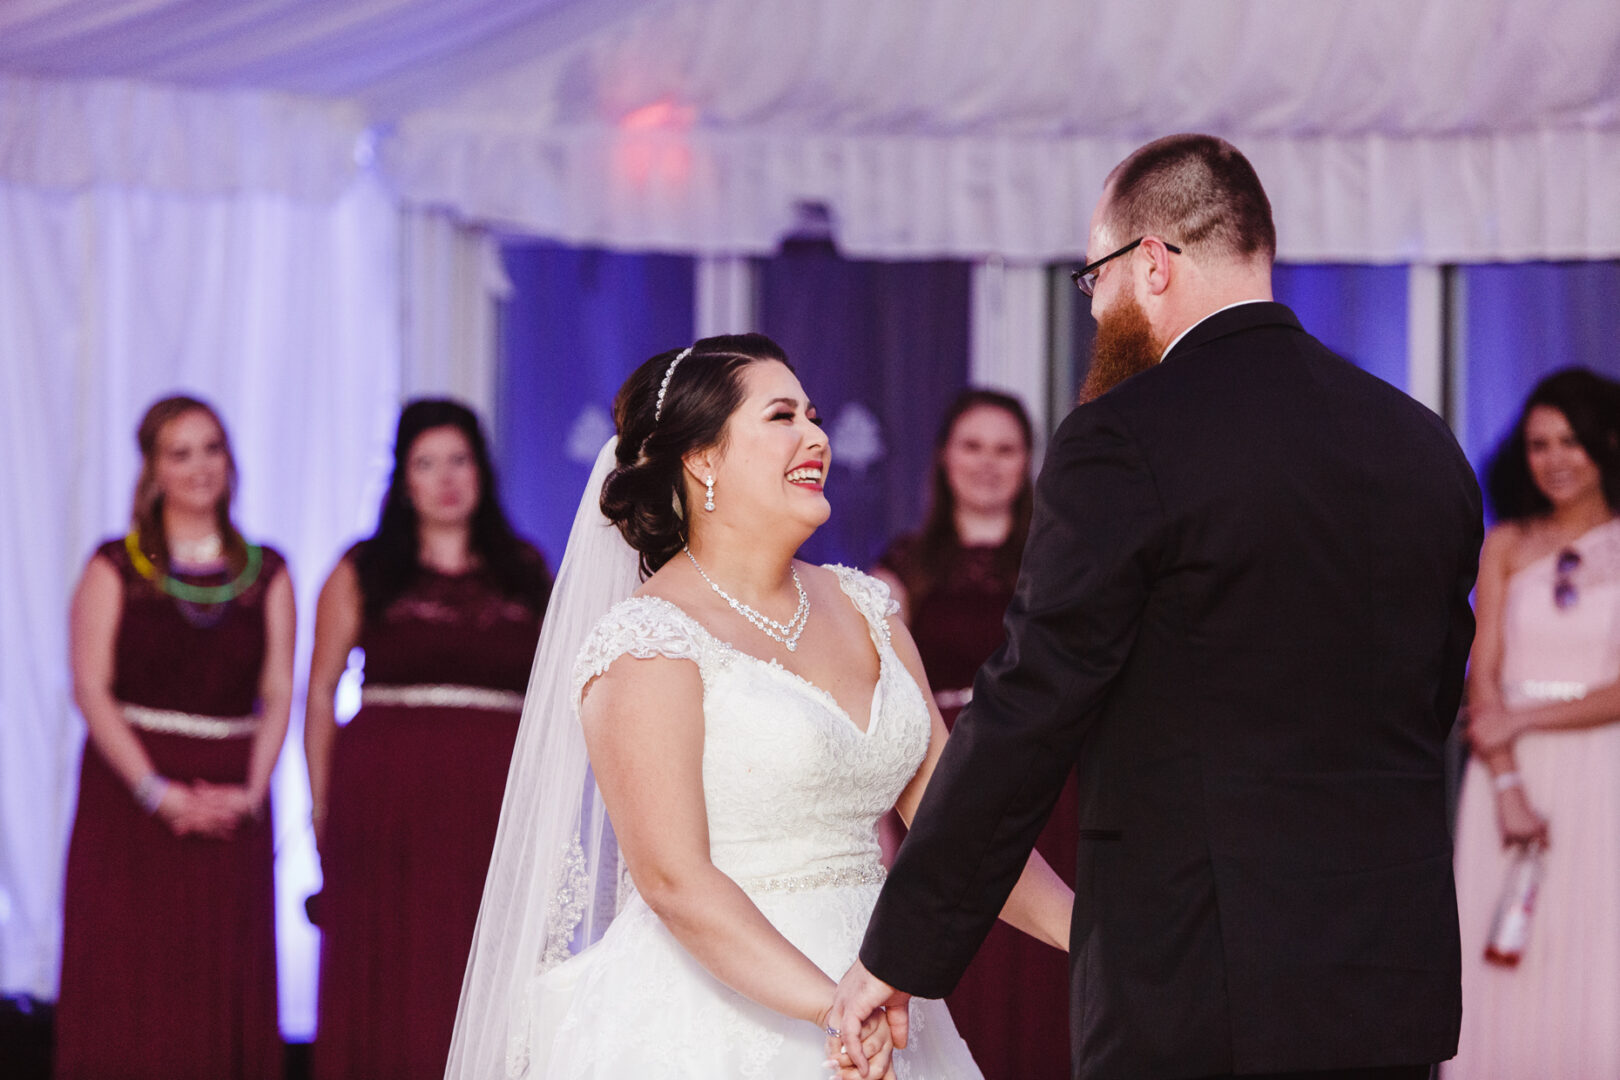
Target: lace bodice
x=794 y=789
x=457 y=629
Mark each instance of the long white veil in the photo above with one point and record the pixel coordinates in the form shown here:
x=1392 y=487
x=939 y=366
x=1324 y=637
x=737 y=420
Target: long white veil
x=553 y=880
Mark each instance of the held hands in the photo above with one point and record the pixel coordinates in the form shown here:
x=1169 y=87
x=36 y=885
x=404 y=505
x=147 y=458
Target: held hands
x=877 y=1043
x=211 y=811
x=860 y=999
x=236 y=798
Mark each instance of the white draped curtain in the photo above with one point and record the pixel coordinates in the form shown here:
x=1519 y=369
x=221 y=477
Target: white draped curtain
x=453 y=281
x=1385 y=131
x=70 y=135
x=231 y=245
x=1011 y=326
x=280 y=312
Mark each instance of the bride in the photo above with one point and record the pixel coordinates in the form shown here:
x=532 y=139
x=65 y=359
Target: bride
x=704 y=758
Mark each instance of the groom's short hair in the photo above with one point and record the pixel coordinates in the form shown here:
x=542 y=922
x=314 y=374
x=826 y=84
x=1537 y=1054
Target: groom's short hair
x=1197 y=191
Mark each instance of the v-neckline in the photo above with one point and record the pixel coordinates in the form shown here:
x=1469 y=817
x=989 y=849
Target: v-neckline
x=874 y=708
x=822 y=695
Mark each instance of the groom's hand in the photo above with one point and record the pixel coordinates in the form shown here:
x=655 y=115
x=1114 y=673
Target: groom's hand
x=859 y=995
x=878 y=1042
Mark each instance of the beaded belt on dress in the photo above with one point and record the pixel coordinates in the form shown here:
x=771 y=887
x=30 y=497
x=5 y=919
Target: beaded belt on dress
x=443 y=696
x=170 y=722
x=870 y=874
x=1550 y=690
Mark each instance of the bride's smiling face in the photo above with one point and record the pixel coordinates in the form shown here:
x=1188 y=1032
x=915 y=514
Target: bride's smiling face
x=771 y=466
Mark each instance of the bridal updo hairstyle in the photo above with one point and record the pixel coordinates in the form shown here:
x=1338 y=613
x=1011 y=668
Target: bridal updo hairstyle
x=645 y=494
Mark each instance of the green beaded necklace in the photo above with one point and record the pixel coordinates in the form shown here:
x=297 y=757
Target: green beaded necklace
x=196 y=594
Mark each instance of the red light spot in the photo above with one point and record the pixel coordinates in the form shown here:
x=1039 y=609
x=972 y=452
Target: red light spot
x=651 y=150
x=662 y=115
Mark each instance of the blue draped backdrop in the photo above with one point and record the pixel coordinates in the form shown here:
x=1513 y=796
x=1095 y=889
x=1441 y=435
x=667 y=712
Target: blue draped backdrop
x=1522 y=321
x=1360 y=312
x=880 y=347
x=578 y=322
x=1357 y=311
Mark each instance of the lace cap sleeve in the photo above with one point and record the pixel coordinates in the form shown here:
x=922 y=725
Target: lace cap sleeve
x=642 y=627
x=870 y=596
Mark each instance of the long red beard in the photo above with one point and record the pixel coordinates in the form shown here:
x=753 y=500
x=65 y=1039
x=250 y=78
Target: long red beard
x=1124 y=346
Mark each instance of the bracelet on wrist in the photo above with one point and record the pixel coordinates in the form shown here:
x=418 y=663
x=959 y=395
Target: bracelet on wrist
x=149 y=791
x=1506 y=781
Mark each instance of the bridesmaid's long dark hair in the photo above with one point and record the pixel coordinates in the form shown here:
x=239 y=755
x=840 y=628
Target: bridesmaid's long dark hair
x=388 y=561
x=1591 y=404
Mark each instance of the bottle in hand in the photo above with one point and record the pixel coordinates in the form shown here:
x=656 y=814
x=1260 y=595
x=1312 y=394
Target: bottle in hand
x=1510 y=929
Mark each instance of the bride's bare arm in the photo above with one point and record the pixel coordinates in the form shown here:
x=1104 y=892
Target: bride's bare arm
x=1040 y=904
x=644 y=728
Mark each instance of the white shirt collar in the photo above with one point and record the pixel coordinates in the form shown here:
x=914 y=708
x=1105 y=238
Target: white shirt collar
x=1211 y=315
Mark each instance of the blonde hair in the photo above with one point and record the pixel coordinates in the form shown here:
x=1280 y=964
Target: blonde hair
x=146 y=514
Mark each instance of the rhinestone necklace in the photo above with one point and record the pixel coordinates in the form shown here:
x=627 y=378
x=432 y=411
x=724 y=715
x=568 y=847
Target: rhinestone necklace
x=202 y=552
x=787 y=633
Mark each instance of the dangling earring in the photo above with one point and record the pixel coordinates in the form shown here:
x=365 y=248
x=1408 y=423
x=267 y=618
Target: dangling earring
x=708 y=494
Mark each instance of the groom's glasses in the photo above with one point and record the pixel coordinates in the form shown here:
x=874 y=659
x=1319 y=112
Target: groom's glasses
x=1086 y=276
x=1564 y=592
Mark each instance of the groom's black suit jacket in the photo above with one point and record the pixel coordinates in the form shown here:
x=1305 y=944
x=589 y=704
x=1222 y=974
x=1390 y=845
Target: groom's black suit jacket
x=1243 y=615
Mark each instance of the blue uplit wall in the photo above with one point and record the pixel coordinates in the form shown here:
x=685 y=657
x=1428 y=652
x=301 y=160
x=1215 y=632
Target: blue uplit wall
x=1523 y=321
x=882 y=348
x=1357 y=311
x=578 y=322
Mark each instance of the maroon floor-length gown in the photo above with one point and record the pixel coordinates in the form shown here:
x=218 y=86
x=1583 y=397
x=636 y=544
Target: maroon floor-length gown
x=1012 y=1006
x=416 y=787
x=168 y=943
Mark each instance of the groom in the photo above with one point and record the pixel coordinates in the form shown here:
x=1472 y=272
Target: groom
x=1243 y=616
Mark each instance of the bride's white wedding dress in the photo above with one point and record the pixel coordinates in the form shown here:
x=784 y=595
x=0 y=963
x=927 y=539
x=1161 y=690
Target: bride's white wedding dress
x=794 y=791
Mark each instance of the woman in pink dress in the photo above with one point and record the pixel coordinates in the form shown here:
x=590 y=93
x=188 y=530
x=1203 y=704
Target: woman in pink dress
x=182 y=647
x=1543 y=704
x=953 y=580
x=445 y=601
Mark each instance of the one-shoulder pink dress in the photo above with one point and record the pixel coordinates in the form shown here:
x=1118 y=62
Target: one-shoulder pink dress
x=1557 y=1014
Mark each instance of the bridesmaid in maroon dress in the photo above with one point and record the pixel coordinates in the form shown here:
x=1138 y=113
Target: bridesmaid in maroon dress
x=953 y=580
x=446 y=603
x=182 y=646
